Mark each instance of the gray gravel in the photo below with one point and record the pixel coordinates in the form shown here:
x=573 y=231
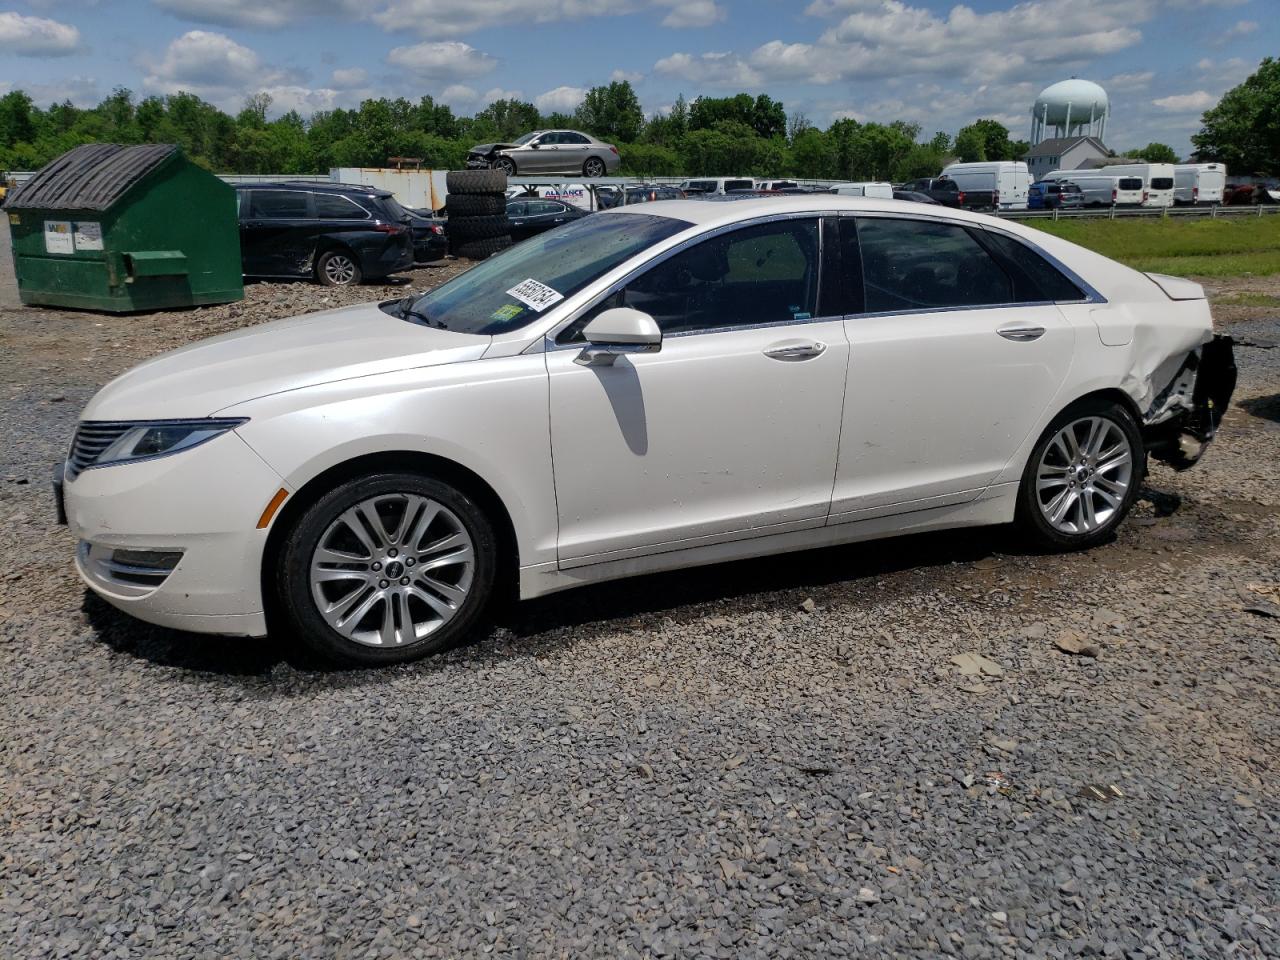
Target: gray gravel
x=695 y=765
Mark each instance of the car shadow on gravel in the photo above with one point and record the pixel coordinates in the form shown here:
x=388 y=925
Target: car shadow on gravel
x=1267 y=408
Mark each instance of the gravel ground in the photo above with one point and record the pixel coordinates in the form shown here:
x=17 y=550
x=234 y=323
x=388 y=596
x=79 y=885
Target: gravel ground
x=779 y=758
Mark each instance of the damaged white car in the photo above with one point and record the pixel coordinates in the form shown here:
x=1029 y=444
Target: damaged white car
x=650 y=388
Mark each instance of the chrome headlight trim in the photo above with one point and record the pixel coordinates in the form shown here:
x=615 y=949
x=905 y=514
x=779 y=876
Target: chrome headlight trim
x=143 y=440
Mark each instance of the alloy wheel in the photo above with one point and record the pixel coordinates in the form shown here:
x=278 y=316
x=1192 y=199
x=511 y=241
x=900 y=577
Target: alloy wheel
x=1084 y=475
x=340 y=270
x=392 y=570
x=595 y=168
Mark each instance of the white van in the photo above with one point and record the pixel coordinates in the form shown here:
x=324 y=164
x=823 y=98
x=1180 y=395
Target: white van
x=716 y=186
x=1198 y=183
x=877 y=189
x=1104 y=191
x=1157 y=179
x=1006 y=180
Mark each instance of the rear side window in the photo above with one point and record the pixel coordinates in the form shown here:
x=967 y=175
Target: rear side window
x=1035 y=279
x=279 y=205
x=919 y=265
x=332 y=207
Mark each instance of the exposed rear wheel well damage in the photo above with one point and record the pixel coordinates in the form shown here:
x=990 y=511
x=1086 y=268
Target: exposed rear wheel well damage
x=469 y=482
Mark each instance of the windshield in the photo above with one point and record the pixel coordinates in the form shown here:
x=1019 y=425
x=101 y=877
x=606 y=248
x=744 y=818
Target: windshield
x=510 y=290
x=526 y=138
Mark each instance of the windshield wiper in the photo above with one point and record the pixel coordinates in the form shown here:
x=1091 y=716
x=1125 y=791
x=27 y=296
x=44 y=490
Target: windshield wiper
x=408 y=312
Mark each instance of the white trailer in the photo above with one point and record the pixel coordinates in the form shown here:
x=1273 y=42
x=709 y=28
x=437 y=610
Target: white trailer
x=418 y=189
x=1198 y=183
x=1007 y=180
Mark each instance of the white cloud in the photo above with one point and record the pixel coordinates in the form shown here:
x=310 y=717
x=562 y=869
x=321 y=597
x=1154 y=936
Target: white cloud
x=1241 y=28
x=265 y=14
x=1126 y=82
x=448 y=58
x=305 y=100
x=627 y=75
x=560 y=100
x=347 y=77
x=206 y=63
x=36 y=36
x=1196 y=102
x=712 y=69
x=692 y=13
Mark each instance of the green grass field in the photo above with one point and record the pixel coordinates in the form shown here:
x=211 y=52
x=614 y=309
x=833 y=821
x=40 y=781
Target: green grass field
x=1181 y=247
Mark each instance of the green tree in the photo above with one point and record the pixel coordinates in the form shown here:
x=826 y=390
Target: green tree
x=971 y=145
x=507 y=119
x=612 y=112
x=813 y=155
x=985 y=140
x=1243 y=130
x=1153 y=153
x=17 y=119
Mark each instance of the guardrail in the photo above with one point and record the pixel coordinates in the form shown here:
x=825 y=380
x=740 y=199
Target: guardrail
x=1125 y=213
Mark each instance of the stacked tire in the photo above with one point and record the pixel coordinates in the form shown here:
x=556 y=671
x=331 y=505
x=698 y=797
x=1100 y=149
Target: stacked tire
x=477 y=205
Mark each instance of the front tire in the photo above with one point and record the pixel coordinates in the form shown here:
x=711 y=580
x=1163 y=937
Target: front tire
x=506 y=165
x=338 y=268
x=388 y=568
x=1082 y=477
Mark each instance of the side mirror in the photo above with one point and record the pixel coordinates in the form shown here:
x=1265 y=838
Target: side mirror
x=534 y=144
x=619 y=331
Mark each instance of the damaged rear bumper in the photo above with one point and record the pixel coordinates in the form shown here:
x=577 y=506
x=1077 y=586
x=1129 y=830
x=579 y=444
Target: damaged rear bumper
x=1184 y=419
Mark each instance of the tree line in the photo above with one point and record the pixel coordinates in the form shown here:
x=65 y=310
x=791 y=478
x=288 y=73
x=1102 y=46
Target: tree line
x=743 y=134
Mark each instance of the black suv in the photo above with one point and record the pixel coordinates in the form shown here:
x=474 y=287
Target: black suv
x=335 y=233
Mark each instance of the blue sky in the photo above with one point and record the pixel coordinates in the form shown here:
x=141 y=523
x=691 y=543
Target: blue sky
x=931 y=62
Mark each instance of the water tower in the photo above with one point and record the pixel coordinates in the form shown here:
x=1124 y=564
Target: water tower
x=1070 y=108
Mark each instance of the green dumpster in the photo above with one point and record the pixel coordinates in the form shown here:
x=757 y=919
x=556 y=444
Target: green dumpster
x=113 y=228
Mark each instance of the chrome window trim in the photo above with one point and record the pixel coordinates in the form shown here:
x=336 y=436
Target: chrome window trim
x=551 y=335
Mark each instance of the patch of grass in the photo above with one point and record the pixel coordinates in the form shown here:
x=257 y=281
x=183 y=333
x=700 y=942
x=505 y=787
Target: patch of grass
x=1248 y=300
x=1181 y=247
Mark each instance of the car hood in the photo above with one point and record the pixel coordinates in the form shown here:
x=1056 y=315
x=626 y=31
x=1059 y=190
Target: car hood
x=490 y=147
x=211 y=375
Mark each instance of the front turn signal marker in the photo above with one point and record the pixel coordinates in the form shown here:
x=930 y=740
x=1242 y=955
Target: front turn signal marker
x=265 y=520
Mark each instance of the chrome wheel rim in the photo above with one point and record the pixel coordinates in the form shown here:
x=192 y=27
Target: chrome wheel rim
x=1084 y=475
x=506 y=166
x=595 y=168
x=392 y=570
x=340 y=270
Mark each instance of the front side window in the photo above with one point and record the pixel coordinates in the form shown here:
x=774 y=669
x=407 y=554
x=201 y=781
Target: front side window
x=279 y=205
x=761 y=274
x=560 y=261
x=920 y=265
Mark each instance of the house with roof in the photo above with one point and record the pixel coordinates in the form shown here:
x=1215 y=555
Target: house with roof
x=1063 y=153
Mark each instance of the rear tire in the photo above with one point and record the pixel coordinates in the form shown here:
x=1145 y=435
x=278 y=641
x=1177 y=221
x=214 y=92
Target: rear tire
x=338 y=268
x=594 y=167
x=482 y=249
x=407 y=613
x=476 y=182
x=1082 y=477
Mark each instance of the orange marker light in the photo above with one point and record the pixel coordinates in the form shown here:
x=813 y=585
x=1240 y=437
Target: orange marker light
x=265 y=520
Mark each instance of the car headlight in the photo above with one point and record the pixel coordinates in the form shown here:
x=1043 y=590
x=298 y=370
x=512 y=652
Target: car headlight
x=143 y=439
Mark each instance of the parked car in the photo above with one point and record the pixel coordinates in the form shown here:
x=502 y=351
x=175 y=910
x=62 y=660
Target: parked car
x=429 y=240
x=548 y=152
x=941 y=190
x=1054 y=195
x=913 y=196
x=774 y=186
x=533 y=215
x=610 y=197
x=336 y=234
x=710 y=381
x=870 y=188
x=710 y=186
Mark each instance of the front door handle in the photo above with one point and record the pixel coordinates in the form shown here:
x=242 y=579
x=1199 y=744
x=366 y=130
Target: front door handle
x=1020 y=333
x=793 y=350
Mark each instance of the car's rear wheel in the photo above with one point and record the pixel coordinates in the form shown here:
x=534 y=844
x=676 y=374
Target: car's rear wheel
x=594 y=167
x=1083 y=476
x=337 y=268
x=388 y=568
x=506 y=165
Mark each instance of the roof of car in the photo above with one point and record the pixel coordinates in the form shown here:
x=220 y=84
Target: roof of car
x=701 y=212
x=352 y=188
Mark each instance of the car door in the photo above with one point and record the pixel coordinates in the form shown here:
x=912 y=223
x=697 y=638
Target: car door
x=277 y=233
x=948 y=374
x=574 y=150
x=517 y=219
x=730 y=430
x=543 y=157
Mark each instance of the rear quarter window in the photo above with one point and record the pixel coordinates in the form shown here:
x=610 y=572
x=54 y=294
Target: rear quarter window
x=1035 y=279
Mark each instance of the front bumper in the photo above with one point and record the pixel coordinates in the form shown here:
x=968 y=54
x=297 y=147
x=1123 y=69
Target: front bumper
x=1182 y=441
x=478 y=161
x=203 y=504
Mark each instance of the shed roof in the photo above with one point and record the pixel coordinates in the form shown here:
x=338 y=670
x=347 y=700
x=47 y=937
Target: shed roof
x=89 y=177
x=1056 y=146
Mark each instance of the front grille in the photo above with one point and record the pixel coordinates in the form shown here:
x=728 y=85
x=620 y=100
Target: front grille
x=90 y=442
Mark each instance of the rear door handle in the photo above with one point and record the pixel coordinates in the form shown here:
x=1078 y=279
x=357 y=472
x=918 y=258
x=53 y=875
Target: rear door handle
x=793 y=350
x=1020 y=333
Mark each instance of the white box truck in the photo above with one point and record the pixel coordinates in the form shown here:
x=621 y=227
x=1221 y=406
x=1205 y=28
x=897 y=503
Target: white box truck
x=1005 y=180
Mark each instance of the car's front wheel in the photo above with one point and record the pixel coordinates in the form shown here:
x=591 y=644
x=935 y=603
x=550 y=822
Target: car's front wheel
x=506 y=165
x=1083 y=476
x=388 y=568
x=338 y=268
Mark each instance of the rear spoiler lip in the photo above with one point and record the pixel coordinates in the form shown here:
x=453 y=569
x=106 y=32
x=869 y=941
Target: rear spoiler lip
x=1176 y=288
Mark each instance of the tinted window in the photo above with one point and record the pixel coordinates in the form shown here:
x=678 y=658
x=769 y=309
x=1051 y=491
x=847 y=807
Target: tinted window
x=739 y=185
x=536 y=208
x=915 y=264
x=333 y=207
x=1162 y=183
x=279 y=205
x=761 y=274
x=1035 y=279
x=516 y=208
x=565 y=259
x=1130 y=183
x=573 y=138
x=949 y=185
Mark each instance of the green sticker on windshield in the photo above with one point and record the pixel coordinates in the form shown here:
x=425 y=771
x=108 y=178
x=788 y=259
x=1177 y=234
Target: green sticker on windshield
x=508 y=311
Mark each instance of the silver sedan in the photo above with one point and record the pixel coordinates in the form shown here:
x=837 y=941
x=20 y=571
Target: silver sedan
x=548 y=152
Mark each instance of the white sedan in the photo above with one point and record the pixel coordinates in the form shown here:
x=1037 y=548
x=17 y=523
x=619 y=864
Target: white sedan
x=650 y=388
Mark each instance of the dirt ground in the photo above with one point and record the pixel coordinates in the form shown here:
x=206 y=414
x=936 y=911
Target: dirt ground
x=773 y=758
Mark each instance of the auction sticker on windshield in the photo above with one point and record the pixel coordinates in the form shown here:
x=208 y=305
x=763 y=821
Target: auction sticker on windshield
x=536 y=295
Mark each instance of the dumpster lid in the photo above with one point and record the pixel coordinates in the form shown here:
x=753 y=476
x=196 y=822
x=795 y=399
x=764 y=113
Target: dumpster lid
x=88 y=177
